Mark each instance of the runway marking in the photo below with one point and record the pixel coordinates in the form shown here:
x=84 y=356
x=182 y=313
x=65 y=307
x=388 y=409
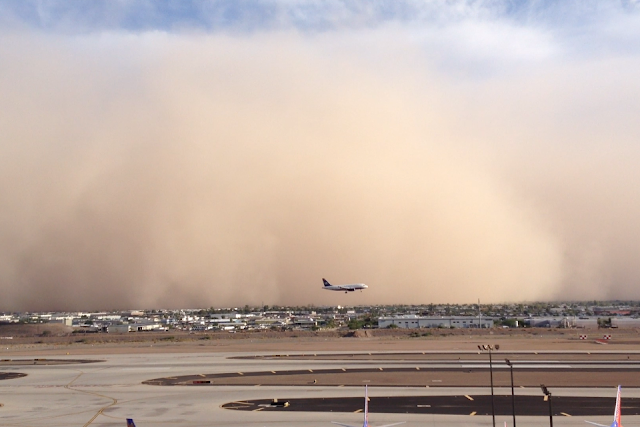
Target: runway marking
x=357 y=411
x=240 y=373
x=473 y=413
x=423 y=406
x=273 y=372
x=468 y=397
x=114 y=401
x=344 y=370
x=436 y=381
x=258 y=409
x=310 y=370
x=565 y=414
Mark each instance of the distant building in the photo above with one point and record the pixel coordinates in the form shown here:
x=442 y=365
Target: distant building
x=414 y=322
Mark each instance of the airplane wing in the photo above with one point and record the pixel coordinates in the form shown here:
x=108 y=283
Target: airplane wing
x=596 y=424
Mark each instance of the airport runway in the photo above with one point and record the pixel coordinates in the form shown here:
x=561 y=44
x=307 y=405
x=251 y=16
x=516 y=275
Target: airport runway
x=448 y=405
x=44 y=361
x=105 y=393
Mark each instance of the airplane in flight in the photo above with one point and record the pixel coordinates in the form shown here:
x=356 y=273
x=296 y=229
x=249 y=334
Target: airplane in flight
x=345 y=288
x=366 y=413
x=616 y=414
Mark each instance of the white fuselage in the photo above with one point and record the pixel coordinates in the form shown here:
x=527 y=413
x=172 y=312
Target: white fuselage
x=348 y=288
x=344 y=288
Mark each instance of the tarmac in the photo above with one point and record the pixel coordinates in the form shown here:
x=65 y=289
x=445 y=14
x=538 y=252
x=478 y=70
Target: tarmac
x=112 y=389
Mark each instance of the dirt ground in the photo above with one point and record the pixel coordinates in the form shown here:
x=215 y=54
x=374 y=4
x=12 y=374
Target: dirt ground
x=33 y=343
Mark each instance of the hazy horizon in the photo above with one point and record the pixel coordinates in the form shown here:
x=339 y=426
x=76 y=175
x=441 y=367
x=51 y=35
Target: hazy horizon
x=225 y=154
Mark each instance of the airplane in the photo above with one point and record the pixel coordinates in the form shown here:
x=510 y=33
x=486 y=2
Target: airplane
x=366 y=413
x=346 y=288
x=616 y=414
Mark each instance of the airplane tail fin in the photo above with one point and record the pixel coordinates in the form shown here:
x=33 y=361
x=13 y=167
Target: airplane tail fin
x=130 y=422
x=616 y=413
x=325 y=282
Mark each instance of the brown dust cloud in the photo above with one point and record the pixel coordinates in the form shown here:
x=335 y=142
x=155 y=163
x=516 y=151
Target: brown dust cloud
x=161 y=170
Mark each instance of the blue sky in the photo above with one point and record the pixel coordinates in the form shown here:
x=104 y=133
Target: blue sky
x=255 y=15
x=467 y=149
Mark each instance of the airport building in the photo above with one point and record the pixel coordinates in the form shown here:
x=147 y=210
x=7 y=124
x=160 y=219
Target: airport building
x=414 y=322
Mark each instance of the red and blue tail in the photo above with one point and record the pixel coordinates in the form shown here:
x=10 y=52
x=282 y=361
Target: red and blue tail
x=616 y=414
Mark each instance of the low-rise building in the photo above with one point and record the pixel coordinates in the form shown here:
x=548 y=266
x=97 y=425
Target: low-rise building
x=414 y=322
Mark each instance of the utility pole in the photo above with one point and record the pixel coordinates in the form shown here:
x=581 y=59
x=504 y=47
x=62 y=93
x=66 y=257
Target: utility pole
x=490 y=348
x=513 y=396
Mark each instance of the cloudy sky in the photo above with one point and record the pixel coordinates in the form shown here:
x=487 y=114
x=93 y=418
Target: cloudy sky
x=219 y=153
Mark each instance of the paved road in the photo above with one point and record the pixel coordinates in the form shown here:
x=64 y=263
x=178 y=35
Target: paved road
x=45 y=361
x=459 y=374
x=449 y=405
x=11 y=375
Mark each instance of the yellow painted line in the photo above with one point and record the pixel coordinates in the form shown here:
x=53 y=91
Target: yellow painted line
x=565 y=414
x=258 y=409
x=468 y=397
x=359 y=410
x=473 y=413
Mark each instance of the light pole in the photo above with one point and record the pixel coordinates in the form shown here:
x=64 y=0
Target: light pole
x=548 y=394
x=513 y=396
x=489 y=348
